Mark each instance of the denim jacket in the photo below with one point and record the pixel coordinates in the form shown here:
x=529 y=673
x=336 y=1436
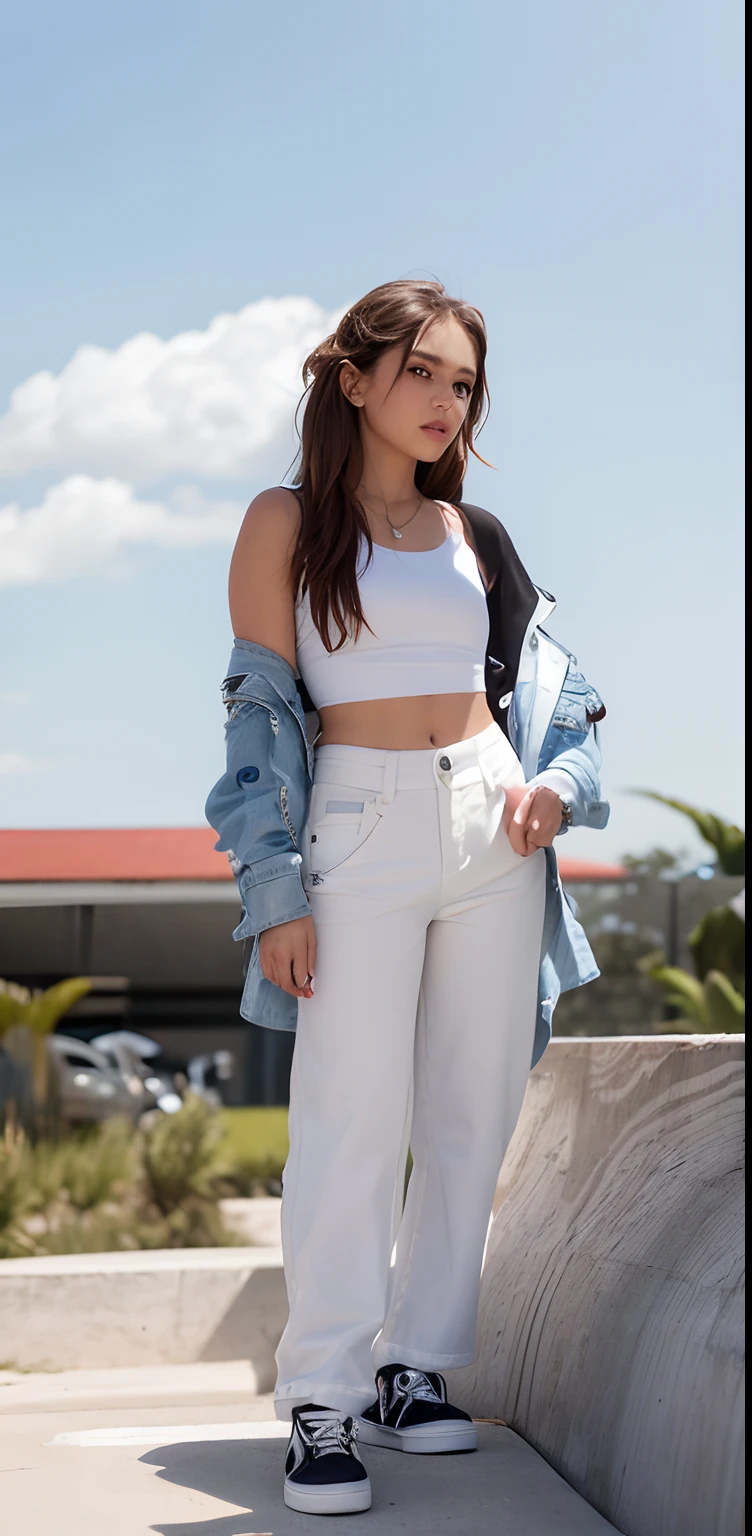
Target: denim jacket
x=259 y=805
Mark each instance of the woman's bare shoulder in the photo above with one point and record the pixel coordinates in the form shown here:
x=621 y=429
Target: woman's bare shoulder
x=272 y=522
x=456 y=521
x=453 y=517
x=462 y=525
x=261 y=600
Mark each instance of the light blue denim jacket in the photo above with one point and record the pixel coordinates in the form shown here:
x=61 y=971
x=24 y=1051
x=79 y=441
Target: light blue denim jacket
x=259 y=805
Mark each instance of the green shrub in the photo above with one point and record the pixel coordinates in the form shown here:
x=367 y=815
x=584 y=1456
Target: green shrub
x=180 y=1155
x=714 y=998
x=712 y=1005
x=13 y=1197
x=198 y=1223
x=718 y=943
x=93 y=1166
x=44 y=1167
x=109 y=1188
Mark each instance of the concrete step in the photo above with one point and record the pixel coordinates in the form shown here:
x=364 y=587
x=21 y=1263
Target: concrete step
x=257 y=1221
x=164 y=1307
x=216 y=1383
x=86 y=1465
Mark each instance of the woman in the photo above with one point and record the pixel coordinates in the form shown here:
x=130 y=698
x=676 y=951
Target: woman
x=405 y=906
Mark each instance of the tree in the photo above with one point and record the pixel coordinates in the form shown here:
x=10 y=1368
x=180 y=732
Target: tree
x=39 y=1012
x=653 y=863
x=714 y=998
x=723 y=836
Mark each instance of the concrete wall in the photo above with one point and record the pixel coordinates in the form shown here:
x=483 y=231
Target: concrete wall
x=166 y=1307
x=611 y=1317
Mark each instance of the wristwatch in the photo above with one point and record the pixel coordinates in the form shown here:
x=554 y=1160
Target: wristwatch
x=566 y=814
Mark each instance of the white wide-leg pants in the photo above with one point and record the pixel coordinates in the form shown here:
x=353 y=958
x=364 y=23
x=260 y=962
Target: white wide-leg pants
x=420 y=1032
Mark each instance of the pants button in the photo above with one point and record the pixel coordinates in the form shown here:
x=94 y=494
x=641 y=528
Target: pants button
x=445 y=764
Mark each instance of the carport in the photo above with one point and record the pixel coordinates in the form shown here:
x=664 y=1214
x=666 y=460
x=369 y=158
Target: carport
x=148 y=913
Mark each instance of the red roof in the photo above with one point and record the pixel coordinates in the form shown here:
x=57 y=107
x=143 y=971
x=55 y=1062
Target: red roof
x=112 y=853
x=157 y=853
x=588 y=869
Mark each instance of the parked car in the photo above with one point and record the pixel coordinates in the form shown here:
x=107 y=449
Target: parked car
x=90 y=1088
x=205 y=1073
x=165 y=1078
x=136 y=1054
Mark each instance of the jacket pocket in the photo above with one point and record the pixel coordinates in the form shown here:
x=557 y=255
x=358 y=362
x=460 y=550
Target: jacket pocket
x=579 y=706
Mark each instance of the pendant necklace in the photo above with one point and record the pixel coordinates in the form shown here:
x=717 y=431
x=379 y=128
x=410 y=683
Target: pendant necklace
x=397 y=532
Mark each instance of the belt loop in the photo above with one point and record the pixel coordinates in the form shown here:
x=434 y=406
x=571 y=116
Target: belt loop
x=390 y=778
x=488 y=777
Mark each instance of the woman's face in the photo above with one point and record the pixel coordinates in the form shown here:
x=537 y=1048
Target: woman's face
x=419 y=408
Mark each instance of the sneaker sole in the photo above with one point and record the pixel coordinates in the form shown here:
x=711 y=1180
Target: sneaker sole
x=334 y=1499
x=422 y=1439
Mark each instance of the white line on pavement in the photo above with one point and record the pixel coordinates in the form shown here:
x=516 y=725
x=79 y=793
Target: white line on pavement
x=169 y=1434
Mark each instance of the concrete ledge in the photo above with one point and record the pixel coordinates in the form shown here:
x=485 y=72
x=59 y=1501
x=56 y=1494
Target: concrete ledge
x=611 y=1330
x=210 y=1384
x=165 y=1307
x=144 y=1261
x=258 y=1221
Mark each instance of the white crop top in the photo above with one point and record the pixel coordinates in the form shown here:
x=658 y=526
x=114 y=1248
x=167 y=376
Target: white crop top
x=428 y=613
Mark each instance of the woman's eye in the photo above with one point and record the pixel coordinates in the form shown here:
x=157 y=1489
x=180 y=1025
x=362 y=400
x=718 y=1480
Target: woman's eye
x=461 y=385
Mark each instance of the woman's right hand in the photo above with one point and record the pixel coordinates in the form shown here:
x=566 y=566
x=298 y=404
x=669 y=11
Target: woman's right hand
x=288 y=956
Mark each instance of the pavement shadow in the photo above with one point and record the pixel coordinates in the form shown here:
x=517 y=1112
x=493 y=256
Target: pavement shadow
x=249 y=1473
x=503 y=1489
x=246 y=1473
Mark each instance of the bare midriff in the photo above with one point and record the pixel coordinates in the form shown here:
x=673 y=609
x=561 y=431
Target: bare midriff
x=403 y=725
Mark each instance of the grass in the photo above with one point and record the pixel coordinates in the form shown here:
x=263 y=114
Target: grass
x=255 y=1142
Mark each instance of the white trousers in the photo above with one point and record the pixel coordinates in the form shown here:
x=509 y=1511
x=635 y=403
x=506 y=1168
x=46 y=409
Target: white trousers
x=420 y=1032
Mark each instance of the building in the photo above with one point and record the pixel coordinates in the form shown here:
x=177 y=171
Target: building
x=148 y=913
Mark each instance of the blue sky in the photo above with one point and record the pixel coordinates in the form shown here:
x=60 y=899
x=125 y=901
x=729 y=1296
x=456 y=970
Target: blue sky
x=573 y=169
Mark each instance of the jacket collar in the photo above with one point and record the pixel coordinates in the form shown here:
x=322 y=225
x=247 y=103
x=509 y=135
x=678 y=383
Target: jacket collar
x=544 y=607
x=513 y=601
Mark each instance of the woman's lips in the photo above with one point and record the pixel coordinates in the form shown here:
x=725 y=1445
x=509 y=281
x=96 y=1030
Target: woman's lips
x=437 y=432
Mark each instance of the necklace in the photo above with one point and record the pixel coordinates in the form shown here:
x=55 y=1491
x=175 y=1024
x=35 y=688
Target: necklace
x=397 y=532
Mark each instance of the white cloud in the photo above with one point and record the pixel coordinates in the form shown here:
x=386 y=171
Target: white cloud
x=17 y=762
x=83 y=524
x=216 y=403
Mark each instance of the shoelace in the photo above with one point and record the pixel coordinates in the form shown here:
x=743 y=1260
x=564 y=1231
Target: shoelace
x=331 y=1434
x=418 y=1386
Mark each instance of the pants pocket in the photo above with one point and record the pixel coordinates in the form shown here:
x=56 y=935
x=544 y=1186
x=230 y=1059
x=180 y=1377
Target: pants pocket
x=339 y=821
x=503 y=767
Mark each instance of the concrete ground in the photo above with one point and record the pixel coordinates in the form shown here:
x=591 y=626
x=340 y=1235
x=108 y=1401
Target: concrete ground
x=190 y=1451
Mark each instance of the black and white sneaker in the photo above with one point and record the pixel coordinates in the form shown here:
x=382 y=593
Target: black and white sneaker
x=411 y=1413
x=324 y=1474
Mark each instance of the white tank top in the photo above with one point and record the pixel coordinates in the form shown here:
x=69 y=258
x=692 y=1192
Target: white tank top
x=428 y=613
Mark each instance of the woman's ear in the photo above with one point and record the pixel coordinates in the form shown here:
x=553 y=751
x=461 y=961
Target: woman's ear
x=351 y=382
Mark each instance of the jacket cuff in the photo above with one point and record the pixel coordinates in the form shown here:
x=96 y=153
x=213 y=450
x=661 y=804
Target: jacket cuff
x=563 y=783
x=271 y=893
x=565 y=786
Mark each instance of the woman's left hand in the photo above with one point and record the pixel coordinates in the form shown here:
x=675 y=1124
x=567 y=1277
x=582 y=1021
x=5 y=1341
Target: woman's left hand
x=532 y=817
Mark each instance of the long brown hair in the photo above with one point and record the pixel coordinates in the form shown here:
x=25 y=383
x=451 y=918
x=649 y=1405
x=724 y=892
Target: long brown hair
x=330 y=461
